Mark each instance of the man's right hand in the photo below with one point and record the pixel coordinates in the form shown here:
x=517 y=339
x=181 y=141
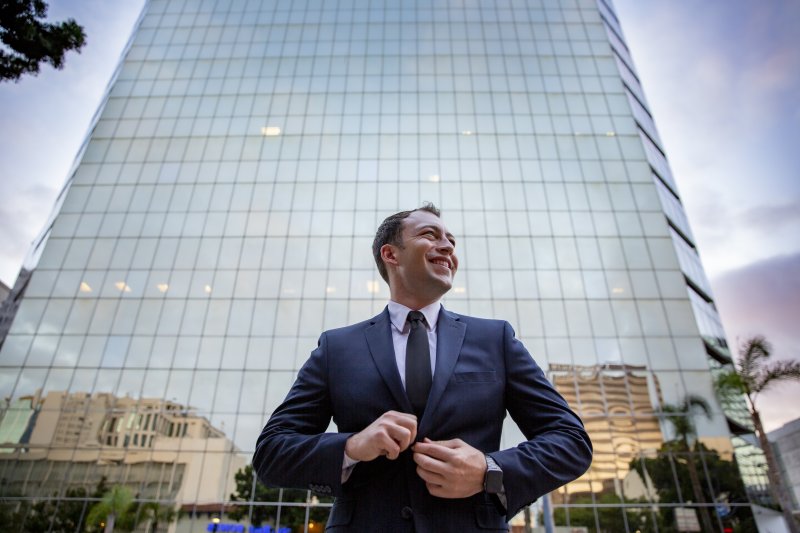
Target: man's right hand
x=389 y=435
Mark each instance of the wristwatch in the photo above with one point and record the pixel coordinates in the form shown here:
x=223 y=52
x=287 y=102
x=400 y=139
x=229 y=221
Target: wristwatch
x=493 y=479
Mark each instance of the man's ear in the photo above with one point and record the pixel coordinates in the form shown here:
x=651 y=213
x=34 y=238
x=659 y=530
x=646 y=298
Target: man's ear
x=389 y=254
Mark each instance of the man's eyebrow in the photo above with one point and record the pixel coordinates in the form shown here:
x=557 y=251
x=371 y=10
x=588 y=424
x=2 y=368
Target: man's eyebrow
x=429 y=226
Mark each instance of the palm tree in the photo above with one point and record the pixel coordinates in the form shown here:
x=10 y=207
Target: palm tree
x=115 y=502
x=681 y=418
x=158 y=513
x=750 y=377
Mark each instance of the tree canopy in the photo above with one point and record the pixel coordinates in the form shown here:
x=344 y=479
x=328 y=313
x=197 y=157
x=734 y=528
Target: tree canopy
x=681 y=416
x=114 y=509
x=28 y=41
x=751 y=376
x=672 y=480
x=249 y=489
x=50 y=514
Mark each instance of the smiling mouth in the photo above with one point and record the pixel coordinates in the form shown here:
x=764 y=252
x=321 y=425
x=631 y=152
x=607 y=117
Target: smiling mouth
x=442 y=262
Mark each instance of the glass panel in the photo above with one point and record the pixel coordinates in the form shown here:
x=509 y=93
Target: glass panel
x=222 y=215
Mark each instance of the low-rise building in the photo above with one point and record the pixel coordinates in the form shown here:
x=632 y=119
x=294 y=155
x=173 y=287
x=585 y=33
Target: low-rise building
x=786 y=444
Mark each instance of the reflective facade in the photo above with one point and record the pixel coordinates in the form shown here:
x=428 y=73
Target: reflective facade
x=220 y=216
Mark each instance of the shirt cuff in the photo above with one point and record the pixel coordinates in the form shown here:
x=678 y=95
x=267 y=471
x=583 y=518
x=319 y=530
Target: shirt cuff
x=347 y=466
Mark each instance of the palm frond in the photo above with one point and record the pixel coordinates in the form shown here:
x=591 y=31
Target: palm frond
x=778 y=371
x=751 y=353
x=753 y=350
x=694 y=402
x=681 y=416
x=729 y=383
x=679 y=420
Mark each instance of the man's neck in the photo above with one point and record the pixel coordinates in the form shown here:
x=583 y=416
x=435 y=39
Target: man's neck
x=415 y=304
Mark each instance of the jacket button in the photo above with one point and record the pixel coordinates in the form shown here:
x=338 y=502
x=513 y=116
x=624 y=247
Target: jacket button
x=406 y=513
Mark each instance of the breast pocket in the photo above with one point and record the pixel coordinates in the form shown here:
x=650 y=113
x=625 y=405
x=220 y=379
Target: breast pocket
x=475 y=377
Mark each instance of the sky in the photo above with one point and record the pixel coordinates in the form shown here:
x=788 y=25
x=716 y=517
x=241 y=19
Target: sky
x=722 y=78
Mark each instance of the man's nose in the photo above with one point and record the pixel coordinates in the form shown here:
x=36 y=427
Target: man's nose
x=445 y=246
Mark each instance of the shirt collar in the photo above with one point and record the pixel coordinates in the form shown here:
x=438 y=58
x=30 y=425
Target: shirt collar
x=398 y=313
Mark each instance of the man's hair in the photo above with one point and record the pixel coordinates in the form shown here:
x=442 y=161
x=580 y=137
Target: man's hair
x=390 y=232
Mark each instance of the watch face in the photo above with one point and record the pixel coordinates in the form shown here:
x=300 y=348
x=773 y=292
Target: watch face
x=494 y=481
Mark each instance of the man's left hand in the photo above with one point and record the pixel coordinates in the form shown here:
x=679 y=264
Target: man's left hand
x=450 y=468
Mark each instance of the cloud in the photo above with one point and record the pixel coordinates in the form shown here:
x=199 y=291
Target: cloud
x=43 y=120
x=769 y=217
x=764 y=299
x=21 y=221
x=729 y=223
x=722 y=80
x=773 y=406
x=731 y=238
x=777 y=72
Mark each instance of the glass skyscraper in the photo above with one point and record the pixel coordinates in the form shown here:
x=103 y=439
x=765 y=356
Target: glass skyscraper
x=220 y=216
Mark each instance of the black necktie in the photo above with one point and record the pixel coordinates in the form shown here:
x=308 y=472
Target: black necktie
x=418 y=363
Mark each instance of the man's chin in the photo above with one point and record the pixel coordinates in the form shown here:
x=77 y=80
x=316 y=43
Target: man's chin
x=437 y=286
x=445 y=285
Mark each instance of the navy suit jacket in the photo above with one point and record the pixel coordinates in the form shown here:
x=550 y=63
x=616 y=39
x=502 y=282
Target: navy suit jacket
x=482 y=371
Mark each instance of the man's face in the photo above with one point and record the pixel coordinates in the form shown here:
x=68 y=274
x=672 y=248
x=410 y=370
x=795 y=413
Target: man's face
x=426 y=262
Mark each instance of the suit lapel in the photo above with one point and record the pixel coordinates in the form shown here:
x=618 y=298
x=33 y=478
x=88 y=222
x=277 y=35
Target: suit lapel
x=379 y=339
x=450 y=336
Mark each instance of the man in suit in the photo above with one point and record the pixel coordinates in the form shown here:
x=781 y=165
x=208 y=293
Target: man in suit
x=419 y=401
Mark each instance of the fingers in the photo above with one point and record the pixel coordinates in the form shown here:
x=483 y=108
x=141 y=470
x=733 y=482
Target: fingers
x=388 y=448
x=442 y=450
x=450 y=469
x=407 y=421
x=433 y=478
x=430 y=464
x=389 y=435
x=401 y=428
x=452 y=443
x=431 y=457
x=437 y=485
x=440 y=491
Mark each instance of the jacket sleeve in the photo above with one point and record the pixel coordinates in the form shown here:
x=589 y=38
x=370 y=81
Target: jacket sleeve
x=293 y=449
x=558 y=449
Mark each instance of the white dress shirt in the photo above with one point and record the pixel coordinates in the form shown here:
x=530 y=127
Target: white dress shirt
x=398 y=314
